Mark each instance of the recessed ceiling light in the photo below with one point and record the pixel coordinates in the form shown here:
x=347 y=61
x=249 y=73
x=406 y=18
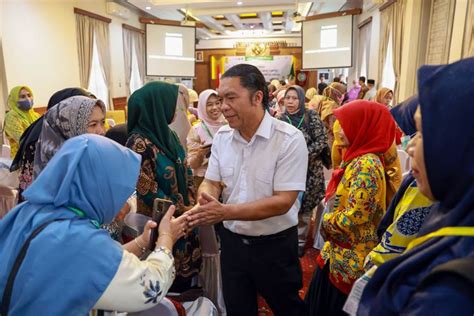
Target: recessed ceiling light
x=148 y=8
x=239 y=2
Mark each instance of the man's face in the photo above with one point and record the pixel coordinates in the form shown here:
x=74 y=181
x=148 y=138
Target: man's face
x=238 y=104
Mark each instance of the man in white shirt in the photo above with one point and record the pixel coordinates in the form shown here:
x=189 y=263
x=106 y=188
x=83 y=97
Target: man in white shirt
x=370 y=95
x=258 y=165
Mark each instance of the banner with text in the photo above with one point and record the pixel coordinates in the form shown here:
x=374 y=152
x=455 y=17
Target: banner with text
x=272 y=67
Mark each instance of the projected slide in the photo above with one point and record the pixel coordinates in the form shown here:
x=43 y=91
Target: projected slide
x=327 y=43
x=170 y=50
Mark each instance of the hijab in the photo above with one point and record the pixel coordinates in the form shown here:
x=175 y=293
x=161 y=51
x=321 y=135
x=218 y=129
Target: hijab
x=447 y=128
x=70 y=263
x=212 y=125
x=333 y=94
x=65 y=120
x=181 y=125
x=32 y=133
x=369 y=127
x=118 y=133
x=150 y=110
x=310 y=93
x=26 y=117
x=403 y=114
x=380 y=95
x=295 y=118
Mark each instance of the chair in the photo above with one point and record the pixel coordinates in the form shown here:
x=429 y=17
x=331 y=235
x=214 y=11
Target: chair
x=210 y=274
x=117 y=116
x=404 y=160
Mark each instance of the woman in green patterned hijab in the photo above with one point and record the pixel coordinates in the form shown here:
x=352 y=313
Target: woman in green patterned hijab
x=164 y=172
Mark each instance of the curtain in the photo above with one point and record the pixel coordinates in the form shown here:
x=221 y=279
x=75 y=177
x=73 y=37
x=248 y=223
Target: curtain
x=127 y=54
x=439 y=37
x=468 y=49
x=364 y=45
x=85 y=44
x=386 y=17
x=133 y=40
x=397 y=39
x=140 y=51
x=101 y=32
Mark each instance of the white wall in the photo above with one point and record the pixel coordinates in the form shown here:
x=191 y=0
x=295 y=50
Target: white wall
x=40 y=46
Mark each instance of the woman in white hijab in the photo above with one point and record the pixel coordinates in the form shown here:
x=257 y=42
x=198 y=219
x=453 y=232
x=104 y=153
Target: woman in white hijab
x=200 y=136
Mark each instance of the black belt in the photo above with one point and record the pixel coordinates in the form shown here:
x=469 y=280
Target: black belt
x=252 y=240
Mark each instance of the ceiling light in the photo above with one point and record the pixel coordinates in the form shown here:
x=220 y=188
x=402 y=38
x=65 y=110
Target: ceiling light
x=148 y=8
x=239 y=2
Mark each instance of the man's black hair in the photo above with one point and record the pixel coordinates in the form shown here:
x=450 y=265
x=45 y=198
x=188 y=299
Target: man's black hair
x=362 y=78
x=250 y=78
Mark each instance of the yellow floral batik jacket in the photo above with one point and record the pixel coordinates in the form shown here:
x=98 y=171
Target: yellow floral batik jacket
x=350 y=229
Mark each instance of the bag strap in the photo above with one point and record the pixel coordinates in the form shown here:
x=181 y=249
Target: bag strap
x=7 y=293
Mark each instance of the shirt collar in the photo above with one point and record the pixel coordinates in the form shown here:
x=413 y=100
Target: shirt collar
x=264 y=129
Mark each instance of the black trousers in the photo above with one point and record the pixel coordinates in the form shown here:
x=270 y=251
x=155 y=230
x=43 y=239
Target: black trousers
x=267 y=265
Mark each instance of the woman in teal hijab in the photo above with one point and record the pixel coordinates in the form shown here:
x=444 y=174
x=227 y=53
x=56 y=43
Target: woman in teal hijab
x=164 y=171
x=72 y=266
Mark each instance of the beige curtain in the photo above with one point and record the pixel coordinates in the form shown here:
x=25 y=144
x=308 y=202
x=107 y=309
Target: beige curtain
x=101 y=32
x=364 y=44
x=397 y=40
x=127 y=54
x=468 y=49
x=439 y=35
x=386 y=21
x=133 y=40
x=140 y=51
x=85 y=44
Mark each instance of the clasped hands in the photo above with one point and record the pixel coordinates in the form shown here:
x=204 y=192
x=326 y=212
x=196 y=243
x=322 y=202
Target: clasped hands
x=208 y=211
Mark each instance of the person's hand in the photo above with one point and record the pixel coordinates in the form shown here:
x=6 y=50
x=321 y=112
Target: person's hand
x=174 y=228
x=208 y=212
x=204 y=151
x=144 y=238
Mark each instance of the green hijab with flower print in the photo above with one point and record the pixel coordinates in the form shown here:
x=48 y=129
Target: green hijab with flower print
x=150 y=110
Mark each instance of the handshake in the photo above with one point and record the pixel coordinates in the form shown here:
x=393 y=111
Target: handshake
x=208 y=211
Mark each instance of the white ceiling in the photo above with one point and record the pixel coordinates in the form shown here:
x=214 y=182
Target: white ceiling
x=222 y=17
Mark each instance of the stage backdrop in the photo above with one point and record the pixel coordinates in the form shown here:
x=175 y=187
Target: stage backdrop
x=272 y=67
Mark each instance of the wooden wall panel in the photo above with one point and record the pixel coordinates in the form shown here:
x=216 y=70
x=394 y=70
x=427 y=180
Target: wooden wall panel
x=203 y=69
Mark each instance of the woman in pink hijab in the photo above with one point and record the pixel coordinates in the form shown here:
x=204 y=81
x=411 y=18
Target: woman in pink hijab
x=200 y=136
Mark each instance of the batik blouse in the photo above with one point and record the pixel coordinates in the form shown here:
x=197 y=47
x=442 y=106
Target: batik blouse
x=157 y=179
x=350 y=228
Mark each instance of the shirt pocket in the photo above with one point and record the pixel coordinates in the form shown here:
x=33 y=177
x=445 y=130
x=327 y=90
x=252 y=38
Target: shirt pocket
x=264 y=182
x=227 y=176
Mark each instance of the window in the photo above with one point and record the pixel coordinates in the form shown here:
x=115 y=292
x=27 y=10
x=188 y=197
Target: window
x=135 y=80
x=97 y=85
x=388 y=75
x=363 y=65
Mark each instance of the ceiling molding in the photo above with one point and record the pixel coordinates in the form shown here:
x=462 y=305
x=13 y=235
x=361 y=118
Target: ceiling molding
x=334 y=14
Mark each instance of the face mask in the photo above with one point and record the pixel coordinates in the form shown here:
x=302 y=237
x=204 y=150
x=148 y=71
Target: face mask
x=25 y=105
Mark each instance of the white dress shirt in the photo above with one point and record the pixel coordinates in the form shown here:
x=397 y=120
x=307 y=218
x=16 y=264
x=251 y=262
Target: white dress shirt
x=275 y=159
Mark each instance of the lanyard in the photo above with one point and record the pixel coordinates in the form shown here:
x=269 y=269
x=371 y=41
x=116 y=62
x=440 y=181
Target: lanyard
x=80 y=213
x=207 y=129
x=445 y=231
x=299 y=124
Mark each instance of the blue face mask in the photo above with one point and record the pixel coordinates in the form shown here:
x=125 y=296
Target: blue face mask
x=25 y=105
